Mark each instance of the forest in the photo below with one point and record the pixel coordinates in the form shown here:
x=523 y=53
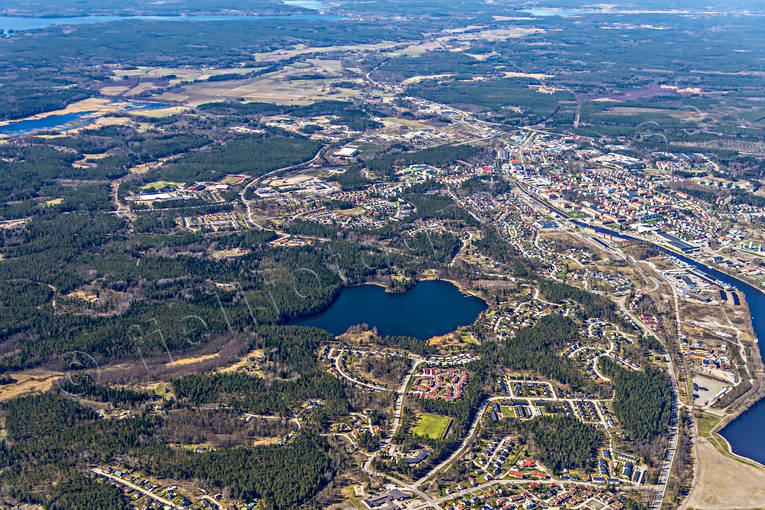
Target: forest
x=593 y=305
x=535 y=349
x=252 y=154
x=442 y=156
x=78 y=492
x=493 y=246
x=282 y=476
x=173 y=289
x=499 y=97
x=642 y=402
x=429 y=206
x=356 y=118
x=84 y=386
x=50 y=437
x=91 y=275
x=562 y=442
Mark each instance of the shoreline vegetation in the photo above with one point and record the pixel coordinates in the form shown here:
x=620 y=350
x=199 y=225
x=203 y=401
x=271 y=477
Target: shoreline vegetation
x=262 y=285
x=331 y=323
x=715 y=437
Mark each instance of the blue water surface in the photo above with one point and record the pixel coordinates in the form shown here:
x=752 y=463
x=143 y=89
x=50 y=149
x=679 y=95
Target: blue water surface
x=65 y=121
x=20 y=23
x=430 y=308
x=745 y=432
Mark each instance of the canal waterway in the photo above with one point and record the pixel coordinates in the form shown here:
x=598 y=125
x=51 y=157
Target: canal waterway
x=745 y=432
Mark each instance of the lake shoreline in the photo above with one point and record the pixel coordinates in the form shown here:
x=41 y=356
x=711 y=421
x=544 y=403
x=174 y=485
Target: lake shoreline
x=19 y=23
x=427 y=309
x=462 y=287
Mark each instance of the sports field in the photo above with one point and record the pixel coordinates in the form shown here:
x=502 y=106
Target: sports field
x=507 y=412
x=233 y=179
x=432 y=426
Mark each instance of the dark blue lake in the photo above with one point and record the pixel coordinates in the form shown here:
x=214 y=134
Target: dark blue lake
x=430 y=308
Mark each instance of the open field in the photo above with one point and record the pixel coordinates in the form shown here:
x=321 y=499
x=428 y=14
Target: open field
x=189 y=361
x=432 y=426
x=161 y=184
x=28 y=383
x=300 y=49
x=225 y=254
x=182 y=73
x=725 y=483
x=266 y=441
x=447 y=339
x=417 y=79
x=242 y=362
x=109 y=121
x=271 y=89
x=165 y=75
x=284 y=86
x=535 y=76
x=161 y=389
x=160 y=112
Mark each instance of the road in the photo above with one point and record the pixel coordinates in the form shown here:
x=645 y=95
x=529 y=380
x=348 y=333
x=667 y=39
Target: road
x=340 y=367
x=674 y=419
x=211 y=500
x=367 y=465
x=465 y=442
x=135 y=487
x=272 y=172
x=490 y=460
x=122 y=210
x=401 y=393
x=271 y=417
x=487 y=485
x=669 y=457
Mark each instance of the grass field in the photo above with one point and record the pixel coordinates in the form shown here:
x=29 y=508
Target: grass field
x=161 y=184
x=432 y=426
x=706 y=422
x=162 y=389
x=233 y=179
x=507 y=412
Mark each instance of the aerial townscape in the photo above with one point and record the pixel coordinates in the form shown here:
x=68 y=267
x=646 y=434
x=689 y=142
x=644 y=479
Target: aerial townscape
x=382 y=255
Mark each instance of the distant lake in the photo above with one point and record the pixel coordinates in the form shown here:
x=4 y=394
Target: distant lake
x=65 y=121
x=17 y=23
x=306 y=4
x=558 y=12
x=430 y=308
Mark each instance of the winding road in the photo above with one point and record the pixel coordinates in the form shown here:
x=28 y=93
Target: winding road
x=135 y=487
x=259 y=179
